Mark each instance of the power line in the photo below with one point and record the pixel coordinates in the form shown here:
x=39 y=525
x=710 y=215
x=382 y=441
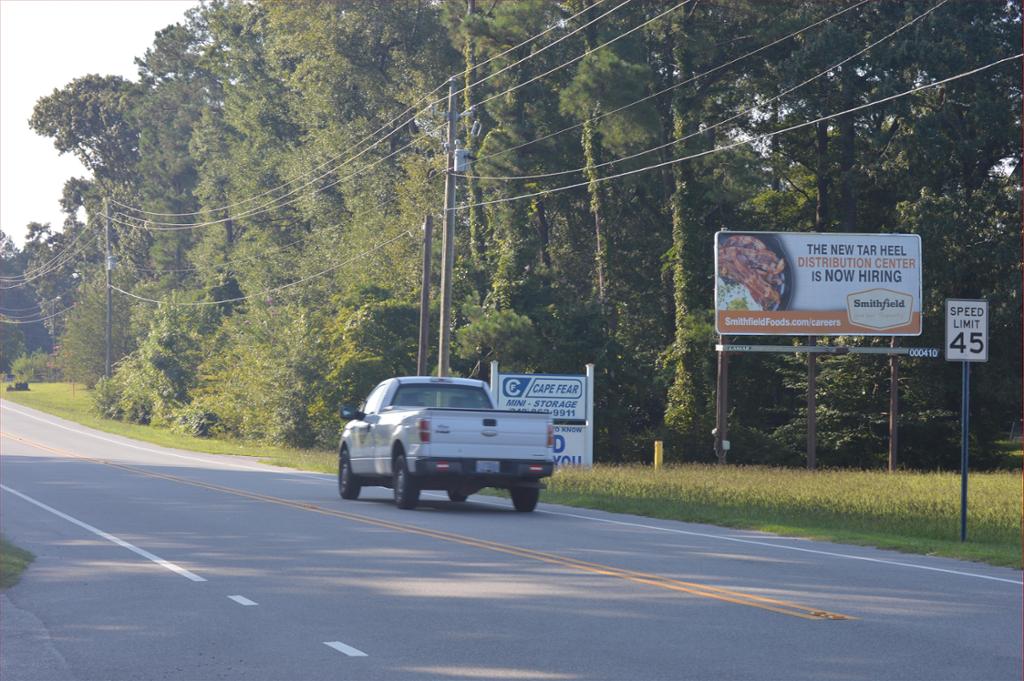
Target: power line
x=66 y=259
x=576 y=59
x=390 y=123
x=390 y=199
x=53 y=259
x=749 y=140
x=674 y=86
x=19 y=309
x=549 y=45
x=276 y=203
x=270 y=290
x=704 y=129
x=265 y=208
x=6 y=320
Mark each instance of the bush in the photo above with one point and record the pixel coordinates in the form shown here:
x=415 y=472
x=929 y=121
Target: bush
x=32 y=367
x=106 y=399
x=193 y=419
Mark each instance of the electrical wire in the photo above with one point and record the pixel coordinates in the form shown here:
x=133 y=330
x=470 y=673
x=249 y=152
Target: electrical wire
x=549 y=45
x=588 y=52
x=69 y=257
x=276 y=289
x=391 y=199
x=704 y=129
x=150 y=225
x=4 y=310
x=53 y=259
x=674 y=86
x=5 y=320
x=743 y=142
x=390 y=123
x=276 y=203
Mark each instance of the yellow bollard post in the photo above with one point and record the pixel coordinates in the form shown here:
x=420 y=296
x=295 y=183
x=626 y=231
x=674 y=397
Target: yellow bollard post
x=659 y=454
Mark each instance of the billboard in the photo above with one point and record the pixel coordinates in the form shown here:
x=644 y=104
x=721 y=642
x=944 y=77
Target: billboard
x=813 y=284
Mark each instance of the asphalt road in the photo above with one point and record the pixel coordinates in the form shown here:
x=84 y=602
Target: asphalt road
x=154 y=563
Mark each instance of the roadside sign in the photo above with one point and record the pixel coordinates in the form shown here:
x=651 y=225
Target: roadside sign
x=966 y=342
x=966 y=330
x=568 y=399
x=812 y=284
x=561 y=396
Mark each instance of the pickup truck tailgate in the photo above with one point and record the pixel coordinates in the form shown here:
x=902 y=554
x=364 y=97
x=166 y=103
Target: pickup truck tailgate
x=457 y=433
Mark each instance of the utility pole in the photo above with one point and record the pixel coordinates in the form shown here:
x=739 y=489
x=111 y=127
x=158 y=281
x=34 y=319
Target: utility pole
x=428 y=237
x=448 y=241
x=108 y=265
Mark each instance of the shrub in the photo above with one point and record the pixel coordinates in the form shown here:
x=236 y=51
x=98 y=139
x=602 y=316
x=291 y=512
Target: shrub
x=193 y=419
x=30 y=367
x=106 y=399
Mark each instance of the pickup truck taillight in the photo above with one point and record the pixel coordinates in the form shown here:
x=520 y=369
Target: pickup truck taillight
x=551 y=435
x=424 y=430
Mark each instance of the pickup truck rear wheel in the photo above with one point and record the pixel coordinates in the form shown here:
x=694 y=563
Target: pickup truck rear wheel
x=349 y=485
x=407 y=490
x=525 y=498
x=457 y=496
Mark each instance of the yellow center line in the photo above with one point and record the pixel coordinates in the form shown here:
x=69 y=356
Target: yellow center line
x=668 y=583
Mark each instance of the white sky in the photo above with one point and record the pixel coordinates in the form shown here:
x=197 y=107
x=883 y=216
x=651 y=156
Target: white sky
x=45 y=44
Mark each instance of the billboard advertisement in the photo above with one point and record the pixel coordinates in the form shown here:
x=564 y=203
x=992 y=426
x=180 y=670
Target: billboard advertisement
x=813 y=284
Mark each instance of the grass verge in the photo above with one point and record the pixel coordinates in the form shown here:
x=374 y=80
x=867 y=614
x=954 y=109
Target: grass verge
x=74 y=403
x=13 y=562
x=905 y=511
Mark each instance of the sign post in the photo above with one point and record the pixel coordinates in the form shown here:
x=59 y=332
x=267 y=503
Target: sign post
x=966 y=342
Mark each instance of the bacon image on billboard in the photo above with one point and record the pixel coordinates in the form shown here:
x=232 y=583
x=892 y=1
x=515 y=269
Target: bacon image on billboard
x=746 y=260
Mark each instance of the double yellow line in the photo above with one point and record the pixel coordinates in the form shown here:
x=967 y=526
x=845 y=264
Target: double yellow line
x=692 y=588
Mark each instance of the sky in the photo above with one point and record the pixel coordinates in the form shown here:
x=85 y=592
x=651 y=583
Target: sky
x=45 y=44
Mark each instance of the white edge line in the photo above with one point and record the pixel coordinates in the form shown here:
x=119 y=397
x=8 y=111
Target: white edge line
x=162 y=452
x=831 y=554
x=242 y=600
x=342 y=648
x=109 y=537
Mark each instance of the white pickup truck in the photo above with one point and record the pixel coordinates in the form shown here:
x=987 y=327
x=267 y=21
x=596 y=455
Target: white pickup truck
x=415 y=433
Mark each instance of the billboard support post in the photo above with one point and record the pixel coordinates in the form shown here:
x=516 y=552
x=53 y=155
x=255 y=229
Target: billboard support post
x=812 y=406
x=722 y=404
x=894 y=405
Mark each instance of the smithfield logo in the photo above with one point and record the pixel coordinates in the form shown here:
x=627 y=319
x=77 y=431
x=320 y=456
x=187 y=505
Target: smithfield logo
x=879 y=308
x=514 y=387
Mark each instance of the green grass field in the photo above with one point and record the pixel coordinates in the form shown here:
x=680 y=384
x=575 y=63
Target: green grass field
x=13 y=562
x=906 y=511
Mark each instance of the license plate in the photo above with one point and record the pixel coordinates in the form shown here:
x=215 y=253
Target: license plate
x=488 y=467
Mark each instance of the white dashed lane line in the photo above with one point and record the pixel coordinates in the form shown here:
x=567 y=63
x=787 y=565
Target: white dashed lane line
x=242 y=600
x=342 y=648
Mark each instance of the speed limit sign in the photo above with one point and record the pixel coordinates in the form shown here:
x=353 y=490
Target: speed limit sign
x=966 y=330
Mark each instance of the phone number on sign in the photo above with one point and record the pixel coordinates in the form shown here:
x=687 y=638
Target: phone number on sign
x=556 y=412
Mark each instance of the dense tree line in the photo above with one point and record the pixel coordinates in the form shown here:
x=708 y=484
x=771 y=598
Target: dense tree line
x=254 y=193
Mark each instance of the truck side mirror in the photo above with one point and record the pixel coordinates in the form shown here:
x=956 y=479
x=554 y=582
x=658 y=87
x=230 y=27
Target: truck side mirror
x=350 y=413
